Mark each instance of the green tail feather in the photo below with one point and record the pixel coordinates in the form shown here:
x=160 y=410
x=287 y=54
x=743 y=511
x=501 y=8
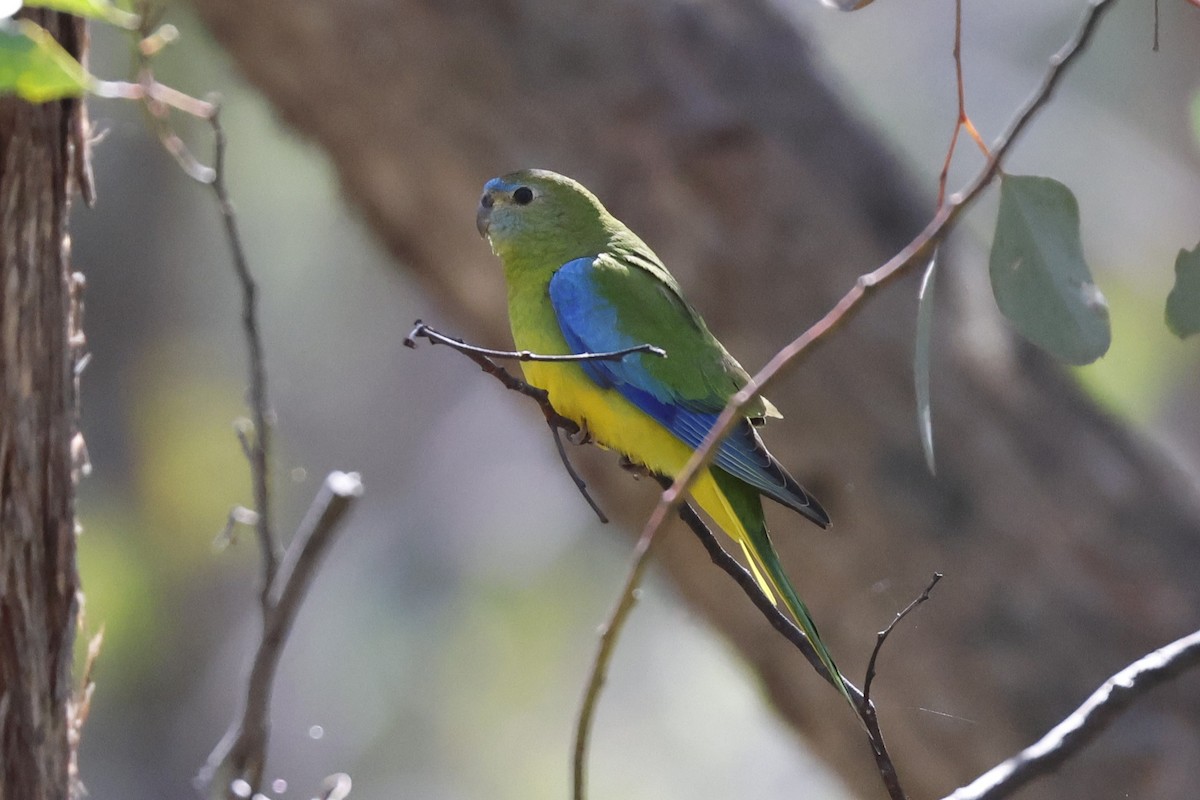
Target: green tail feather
x=747 y=504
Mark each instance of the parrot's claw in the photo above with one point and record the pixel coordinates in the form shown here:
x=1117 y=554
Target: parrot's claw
x=581 y=436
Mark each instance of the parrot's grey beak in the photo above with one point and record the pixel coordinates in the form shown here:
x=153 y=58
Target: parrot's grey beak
x=483 y=217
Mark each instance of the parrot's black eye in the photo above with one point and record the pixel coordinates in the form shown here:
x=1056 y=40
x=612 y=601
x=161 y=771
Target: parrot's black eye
x=523 y=196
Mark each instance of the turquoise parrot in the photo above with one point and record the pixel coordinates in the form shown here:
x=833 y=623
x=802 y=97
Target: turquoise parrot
x=580 y=281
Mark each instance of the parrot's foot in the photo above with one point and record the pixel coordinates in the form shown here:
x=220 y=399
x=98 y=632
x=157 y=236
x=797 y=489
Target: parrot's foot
x=581 y=436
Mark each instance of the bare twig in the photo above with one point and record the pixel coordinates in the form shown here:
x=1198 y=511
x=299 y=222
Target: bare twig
x=557 y=422
x=1083 y=725
x=961 y=121
x=576 y=478
x=609 y=632
x=423 y=331
x=335 y=787
x=915 y=253
x=241 y=754
x=158 y=100
x=260 y=446
x=238 y=760
x=883 y=635
x=510 y=381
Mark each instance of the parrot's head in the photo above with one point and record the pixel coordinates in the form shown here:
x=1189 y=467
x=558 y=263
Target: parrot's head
x=535 y=211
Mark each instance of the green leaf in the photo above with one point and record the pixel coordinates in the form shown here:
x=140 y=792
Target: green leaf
x=1039 y=278
x=35 y=67
x=93 y=9
x=1183 y=303
x=921 y=360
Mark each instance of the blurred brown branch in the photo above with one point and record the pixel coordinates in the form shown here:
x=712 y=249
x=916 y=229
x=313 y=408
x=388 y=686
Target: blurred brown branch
x=44 y=161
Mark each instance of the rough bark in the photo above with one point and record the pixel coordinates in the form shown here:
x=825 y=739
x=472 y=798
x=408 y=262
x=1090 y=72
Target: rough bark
x=1070 y=546
x=41 y=159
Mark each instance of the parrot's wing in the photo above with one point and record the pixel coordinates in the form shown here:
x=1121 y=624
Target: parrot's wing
x=609 y=303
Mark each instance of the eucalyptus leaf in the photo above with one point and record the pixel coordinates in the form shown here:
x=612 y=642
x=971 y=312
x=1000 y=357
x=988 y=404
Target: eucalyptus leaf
x=847 y=5
x=1183 y=303
x=921 y=360
x=1039 y=277
x=35 y=67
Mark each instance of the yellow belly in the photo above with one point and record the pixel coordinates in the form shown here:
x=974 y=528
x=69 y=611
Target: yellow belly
x=618 y=424
x=612 y=421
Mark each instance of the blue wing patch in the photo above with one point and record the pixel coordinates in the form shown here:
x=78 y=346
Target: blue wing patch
x=590 y=323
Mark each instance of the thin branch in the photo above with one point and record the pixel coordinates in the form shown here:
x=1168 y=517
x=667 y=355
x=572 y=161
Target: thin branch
x=336 y=787
x=286 y=576
x=260 y=448
x=609 y=632
x=1083 y=725
x=241 y=753
x=883 y=635
x=158 y=100
x=239 y=758
x=915 y=253
x=510 y=381
x=423 y=331
x=961 y=121
x=578 y=480
x=557 y=422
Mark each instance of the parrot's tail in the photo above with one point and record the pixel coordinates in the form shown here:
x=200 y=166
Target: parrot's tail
x=740 y=513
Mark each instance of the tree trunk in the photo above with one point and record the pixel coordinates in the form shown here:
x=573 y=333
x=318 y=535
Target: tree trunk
x=42 y=160
x=1070 y=547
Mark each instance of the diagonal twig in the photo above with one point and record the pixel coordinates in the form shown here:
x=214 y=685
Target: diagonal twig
x=1085 y=723
x=241 y=753
x=915 y=253
x=883 y=635
x=576 y=478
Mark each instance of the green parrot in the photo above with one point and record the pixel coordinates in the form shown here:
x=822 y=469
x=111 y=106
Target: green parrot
x=580 y=281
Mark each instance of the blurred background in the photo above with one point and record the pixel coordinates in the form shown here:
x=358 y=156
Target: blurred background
x=442 y=651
